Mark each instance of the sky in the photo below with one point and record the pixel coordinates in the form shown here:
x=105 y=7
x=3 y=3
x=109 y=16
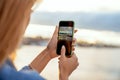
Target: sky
x=79 y=5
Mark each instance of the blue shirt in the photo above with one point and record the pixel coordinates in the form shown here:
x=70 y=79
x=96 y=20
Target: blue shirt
x=9 y=72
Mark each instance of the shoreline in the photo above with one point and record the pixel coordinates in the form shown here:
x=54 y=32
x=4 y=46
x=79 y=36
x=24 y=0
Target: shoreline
x=40 y=41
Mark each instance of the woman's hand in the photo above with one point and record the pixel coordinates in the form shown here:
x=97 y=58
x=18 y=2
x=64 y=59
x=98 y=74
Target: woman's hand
x=52 y=45
x=67 y=65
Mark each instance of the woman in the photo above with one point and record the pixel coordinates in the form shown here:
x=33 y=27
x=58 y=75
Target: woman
x=14 y=18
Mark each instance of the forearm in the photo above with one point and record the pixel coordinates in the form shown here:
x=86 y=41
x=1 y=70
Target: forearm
x=40 y=61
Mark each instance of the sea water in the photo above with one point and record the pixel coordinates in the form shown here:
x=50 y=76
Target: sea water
x=94 y=63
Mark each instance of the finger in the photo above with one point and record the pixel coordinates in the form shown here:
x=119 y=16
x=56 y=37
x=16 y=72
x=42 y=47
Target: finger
x=73 y=45
x=63 y=52
x=74 y=40
x=75 y=57
x=59 y=58
x=75 y=30
x=56 y=31
x=73 y=49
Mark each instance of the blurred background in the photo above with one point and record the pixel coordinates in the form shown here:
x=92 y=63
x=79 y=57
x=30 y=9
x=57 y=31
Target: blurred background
x=98 y=37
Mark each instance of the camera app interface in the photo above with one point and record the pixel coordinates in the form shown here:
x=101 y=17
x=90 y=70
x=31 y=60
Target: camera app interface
x=65 y=33
x=65 y=38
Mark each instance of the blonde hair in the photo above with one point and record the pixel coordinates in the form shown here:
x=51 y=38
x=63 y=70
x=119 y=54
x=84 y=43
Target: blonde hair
x=12 y=24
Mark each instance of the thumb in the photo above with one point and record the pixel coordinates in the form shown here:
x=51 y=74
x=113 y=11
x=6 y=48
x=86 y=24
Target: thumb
x=63 y=50
x=56 y=31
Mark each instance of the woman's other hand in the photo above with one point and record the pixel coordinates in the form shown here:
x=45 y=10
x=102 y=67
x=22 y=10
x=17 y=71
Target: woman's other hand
x=67 y=65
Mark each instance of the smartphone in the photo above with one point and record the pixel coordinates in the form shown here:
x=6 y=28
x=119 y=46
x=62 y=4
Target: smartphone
x=65 y=37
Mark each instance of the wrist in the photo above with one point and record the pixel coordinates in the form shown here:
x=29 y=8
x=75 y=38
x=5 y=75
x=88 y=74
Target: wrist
x=63 y=77
x=47 y=51
x=51 y=53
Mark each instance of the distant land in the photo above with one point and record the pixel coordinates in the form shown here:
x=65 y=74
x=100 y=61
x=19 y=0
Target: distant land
x=96 y=21
x=40 y=41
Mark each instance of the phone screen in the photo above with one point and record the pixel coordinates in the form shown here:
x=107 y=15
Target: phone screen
x=65 y=37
